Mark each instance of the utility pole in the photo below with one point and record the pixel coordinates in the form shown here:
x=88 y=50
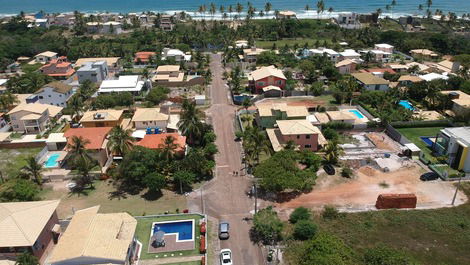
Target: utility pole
x=256 y=197
x=457 y=189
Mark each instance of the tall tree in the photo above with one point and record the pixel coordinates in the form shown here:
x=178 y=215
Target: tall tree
x=33 y=170
x=77 y=149
x=7 y=100
x=168 y=148
x=190 y=123
x=120 y=140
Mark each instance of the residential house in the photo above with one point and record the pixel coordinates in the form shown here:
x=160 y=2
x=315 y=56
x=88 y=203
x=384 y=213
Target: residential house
x=111 y=62
x=420 y=67
x=371 y=82
x=424 y=54
x=28 y=226
x=144 y=58
x=267 y=76
x=454 y=143
x=45 y=57
x=380 y=56
x=433 y=76
x=55 y=93
x=125 y=83
x=93 y=71
x=157 y=141
x=350 y=54
x=97 y=141
x=446 y=66
x=349 y=20
x=32 y=118
x=168 y=73
x=286 y=14
x=102 y=118
x=379 y=72
x=150 y=117
x=384 y=47
x=250 y=55
x=272 y=91
x=407 y=80
x=346 y=66
x=110 y=27
x=166 y=23
x=59 y=68
x=460 y=101
x=301 y=132
x=97 y=238
x=268 y=114
x=176 y=54
x=42 y=23
x=241 y=44
x=399 y=68
x=341 y=116
x=331 y=54
x=3 y=85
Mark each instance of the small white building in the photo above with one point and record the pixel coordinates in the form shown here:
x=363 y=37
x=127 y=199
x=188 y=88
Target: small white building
x=178 y=55
x=350 y=54
x=45 y=57
x=331 y=54
x=384 y=47
x=125 y=83
x=433 y=76
x=200 y=99
x=55 y=93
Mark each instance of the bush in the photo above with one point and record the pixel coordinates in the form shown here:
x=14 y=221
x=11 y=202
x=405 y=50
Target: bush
x=386 y=256
x=305 y=230
x=330 y=212
x=18 y=190
x=346 y=172
x=330 y=134
x=300 y=213
x=267 y=226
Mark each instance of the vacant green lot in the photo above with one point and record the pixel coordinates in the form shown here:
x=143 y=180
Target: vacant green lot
x=413 y=135
x=143 y=234
x=438 y=236
x=12 y=160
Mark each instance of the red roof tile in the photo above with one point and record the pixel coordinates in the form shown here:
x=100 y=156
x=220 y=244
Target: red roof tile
x=96 y=136
x=143 y=56
x=154 y=141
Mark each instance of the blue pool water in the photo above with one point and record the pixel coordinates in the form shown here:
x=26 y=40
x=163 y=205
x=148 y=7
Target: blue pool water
x=406 y=104
x=427 y=140
x=52 y=161
x=357 y=113
x=184 y=229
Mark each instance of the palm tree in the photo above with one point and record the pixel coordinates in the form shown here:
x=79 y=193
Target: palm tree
x=246 y=104
x=7 y=100
x=202 y=10
x=212 y=10
x=76 y=106
x=26 y=258
x=393 y=4
x=33 y=170
x=190 y=124
x=332 y=152
x=230 y=11
x=120 y=140
x=379 y=11
x=267 y=7
x=168 y=147
x=307 y=7
x=330 y=10
x=239 y=9
x=254 y=142
x=77 y=149
x=84 y=167
x=320 y=6
x=222 y=9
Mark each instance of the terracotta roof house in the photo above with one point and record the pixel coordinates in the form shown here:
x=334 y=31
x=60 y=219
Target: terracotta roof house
x=371 y=82
x=28 y=226
x=150 y=117
x=102 y=118
x=267 y=76
x=60 y=68
x=168 y=73
x=97 y=138
x=143 y=57
x=96 y=238
x=155 y=141
x=32 y=118
x=55 y=93
x=301 y=132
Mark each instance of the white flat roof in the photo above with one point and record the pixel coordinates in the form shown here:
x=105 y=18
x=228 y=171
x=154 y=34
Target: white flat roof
x=129 y=83
x=349 y=52
x=433 y=76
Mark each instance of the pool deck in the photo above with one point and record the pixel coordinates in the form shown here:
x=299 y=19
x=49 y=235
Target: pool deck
x=172 y=245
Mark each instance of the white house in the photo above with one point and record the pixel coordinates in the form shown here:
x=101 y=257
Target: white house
x=55 y=93
x=433 y=76
x=178 y=55
x=350 y=54
x=125 y=83
x=384 y=47
x=150 y=117
x=331 y=54
x=45 y=57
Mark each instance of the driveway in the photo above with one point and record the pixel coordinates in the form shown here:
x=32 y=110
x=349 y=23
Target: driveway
x=224 y=197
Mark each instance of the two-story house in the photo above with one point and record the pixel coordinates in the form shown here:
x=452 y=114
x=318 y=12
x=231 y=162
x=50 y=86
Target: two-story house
x=267 y=76
x=32 y=118
x=45 y=57
x=93 y=71
x=268 y=114
x=300 y=132
x=55 y=93
x=168 y=73
x=102 y=118
x=143 y=58
x=369 y=81
x=96 y=138
x=150 y=117
x=455 y=143
x=251 y=54
x=59 y=68
x=125 y=83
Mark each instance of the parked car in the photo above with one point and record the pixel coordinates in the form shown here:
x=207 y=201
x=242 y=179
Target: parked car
x=429 y=176
x=223 y=230
x=329 y=169
x=226 y=257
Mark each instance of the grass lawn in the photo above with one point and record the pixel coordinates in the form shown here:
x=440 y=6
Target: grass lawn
x=325 y=100
x=111 y=201
x=12 y=160
x=265 y=44
x=388 y=24
x=413 y=135
x=142 y=233
x=438 y=236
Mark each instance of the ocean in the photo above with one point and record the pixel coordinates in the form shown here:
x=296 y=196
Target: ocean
x=9 y=7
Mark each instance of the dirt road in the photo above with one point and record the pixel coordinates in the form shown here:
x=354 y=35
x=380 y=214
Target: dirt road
x=225 y=197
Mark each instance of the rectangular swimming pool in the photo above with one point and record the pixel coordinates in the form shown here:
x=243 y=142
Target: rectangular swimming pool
x=429 y=141
x=184 y=229
x=406 y=104
x=357 y=113
x=52 y=161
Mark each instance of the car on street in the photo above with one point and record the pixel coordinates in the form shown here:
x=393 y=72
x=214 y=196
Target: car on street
x=223 y=230
x=429 y=176
x=226 y=257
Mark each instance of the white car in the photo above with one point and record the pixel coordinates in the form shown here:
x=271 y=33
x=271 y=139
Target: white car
x=226 y=257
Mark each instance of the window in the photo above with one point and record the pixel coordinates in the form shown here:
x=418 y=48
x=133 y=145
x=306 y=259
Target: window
x=16 y=126
x=377 y=87
x=307 y=136
x=41 y=97
x=49 y=96
x=260 y=83
x=308 y=146
x=279 y=82
x=298 y=136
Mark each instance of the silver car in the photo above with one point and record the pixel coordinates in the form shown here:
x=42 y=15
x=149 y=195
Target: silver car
x=223 y=230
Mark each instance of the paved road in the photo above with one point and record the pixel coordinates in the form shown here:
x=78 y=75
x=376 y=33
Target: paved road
x=225 y=196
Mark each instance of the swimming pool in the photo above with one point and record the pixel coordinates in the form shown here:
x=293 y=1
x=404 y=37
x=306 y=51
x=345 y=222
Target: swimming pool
x=52 y=161
x=357 y=113
x=184 y=229
x=406 y=104
x=429 y=141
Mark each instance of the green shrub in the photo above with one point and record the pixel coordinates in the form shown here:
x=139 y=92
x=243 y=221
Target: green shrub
x=305 y=230
x=346 y=172
x=300 y=213
x=382 y=255
x=330 y=212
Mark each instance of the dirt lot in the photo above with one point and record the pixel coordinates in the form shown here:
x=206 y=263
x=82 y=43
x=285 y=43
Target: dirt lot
x=360 y=193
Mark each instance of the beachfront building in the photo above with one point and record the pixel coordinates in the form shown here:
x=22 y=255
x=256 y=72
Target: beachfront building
x=455 y=143
x=268 y=114
x=55 y=93
x=266 y=76
x=349 y=20
x=110 y=27
x=424 y=54
x=93 y=71
x=125 y=83
x=96 y=138
x=45 y=57
x=346 y=66
x=28 y=227
x=102 y=118
x=149 y=118
x=32 y=118
x=286 y=14
x=370 y=82
x=175 y=54
x=302 y=133
x=250 y=55
x=59 y=68
x=166 y=23
x=97 y=238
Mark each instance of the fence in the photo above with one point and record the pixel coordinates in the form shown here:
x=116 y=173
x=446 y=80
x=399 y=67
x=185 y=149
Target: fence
x=396 y=135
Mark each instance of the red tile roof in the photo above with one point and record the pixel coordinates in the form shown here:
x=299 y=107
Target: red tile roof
x=143 y=56
x=154 y=141
x=96 y=136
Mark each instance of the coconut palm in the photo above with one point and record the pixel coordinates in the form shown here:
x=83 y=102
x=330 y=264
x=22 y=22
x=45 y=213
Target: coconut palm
x=255 y=142
x=212 y=10
x=320 y=6
x=307 y=7
x=190 y=124
x=76 y=106
x=168 y=148
x=267 y=7
x=239 y=9
x=84 y=167
x=230 y=11
x=330 y=10
x=77 y=149
x=33 y=170
x=332 y=152
x=120 y=140
x=246 y=104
